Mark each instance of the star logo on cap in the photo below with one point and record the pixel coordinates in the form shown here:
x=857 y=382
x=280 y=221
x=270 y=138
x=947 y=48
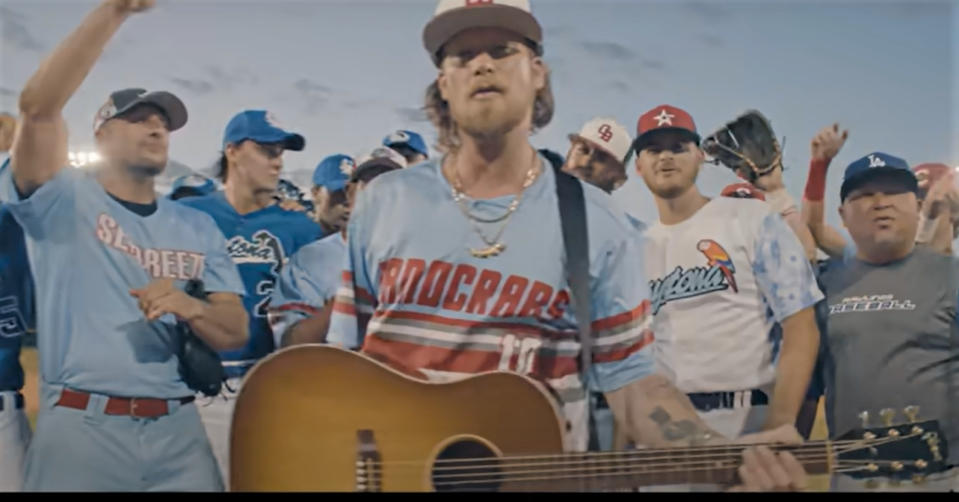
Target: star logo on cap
x=664 y=118
x=346 y=167
x=876 y=161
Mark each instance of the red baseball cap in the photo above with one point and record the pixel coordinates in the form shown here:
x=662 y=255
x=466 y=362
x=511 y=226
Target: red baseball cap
x=665 y=118
x=742 y=191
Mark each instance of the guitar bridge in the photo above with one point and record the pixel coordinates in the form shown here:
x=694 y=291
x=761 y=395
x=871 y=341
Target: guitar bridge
x=368 y=472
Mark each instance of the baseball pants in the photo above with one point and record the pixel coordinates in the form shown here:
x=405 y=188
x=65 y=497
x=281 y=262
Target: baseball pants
x=90 y=451
x=14 y=437
x=217 y=416
x=735 y=422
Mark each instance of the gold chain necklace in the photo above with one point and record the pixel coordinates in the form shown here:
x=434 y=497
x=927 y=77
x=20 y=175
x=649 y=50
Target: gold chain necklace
x=494 y=247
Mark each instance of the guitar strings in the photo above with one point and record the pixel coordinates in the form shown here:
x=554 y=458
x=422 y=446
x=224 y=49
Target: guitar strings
x=545 y=476
x=658 y=454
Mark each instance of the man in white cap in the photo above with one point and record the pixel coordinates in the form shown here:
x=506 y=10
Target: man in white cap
x=596 y=154
x=455 y=266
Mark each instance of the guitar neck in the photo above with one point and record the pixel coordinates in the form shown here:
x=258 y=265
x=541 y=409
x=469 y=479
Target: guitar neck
x=610 y=471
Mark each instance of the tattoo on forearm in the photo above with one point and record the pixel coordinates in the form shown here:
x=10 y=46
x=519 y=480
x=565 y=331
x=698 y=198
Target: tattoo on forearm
x=679 y=430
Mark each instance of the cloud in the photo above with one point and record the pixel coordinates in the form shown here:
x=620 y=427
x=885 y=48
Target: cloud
x=195 y=86
x=229 y=79
x=8 y=93
x=653 y=64
x=412 y=115
x=708 y=11
x=711 y=40
x=15 y=33
x=620 y=86
x=609 y=50
x=311 y=96
x=551 y=32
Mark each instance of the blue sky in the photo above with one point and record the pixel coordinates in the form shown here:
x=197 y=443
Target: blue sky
x=345 y=73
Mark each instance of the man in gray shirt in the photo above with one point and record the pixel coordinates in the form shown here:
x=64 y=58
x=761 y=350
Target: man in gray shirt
x=892 y=333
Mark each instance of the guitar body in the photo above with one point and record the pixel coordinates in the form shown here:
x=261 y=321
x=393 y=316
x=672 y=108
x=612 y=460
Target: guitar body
x=300 y=412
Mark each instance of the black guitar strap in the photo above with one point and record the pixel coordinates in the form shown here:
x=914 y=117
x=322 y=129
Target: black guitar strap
x=572 y=215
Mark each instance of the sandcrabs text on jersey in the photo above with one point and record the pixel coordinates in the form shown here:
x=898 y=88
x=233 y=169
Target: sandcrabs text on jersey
x=265 y=248
x=719 y=274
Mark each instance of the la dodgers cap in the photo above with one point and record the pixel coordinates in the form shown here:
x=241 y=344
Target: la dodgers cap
x=409 y=139
x=194 y=183
x=334 y=172
x=665 y=118
x=124 y=100
x=263 y=127
x=875 y=165
x=454 y=16
x=927 y=174
x=607 y=135
x=742 y=191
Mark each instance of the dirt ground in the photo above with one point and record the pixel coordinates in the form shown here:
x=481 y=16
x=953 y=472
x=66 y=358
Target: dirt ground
x=30 y=367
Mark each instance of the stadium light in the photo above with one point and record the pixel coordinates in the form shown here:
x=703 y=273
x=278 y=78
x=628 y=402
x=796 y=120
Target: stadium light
x=80 y=159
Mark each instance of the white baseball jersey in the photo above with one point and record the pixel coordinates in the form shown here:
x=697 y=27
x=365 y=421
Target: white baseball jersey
x=719 y=282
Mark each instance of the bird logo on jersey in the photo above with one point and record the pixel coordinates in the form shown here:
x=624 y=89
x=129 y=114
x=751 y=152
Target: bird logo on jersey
x=716 y=256
x=264 y=248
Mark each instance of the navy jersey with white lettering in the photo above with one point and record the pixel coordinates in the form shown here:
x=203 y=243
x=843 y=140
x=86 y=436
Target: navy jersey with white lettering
x=16 y=300
x=260 y=244
x=87 y=251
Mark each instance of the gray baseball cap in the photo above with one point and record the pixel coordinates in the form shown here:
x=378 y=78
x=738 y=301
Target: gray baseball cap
x=126 y=99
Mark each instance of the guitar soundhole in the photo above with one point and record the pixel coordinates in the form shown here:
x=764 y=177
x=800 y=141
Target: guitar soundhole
x=467 y=466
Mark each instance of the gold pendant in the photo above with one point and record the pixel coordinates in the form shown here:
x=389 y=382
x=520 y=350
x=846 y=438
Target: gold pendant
x=493 y=250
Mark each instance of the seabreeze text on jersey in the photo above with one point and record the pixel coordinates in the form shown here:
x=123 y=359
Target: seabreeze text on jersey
x=159 y=263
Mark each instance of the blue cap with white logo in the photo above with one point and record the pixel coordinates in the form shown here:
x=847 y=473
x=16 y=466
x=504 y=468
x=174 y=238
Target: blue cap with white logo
x=192 y=184
x=408 y=139
x=334 y=172
x=263 y=127
x=875 y=165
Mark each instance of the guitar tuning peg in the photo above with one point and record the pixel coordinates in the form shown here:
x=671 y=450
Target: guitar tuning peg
x=887 y=414
x=912 y=412
x=864 y=419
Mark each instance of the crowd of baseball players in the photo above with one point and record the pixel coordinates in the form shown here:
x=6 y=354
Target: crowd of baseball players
x=714 y=320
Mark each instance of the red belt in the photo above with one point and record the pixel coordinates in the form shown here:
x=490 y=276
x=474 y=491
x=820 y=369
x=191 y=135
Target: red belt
x=124 y=406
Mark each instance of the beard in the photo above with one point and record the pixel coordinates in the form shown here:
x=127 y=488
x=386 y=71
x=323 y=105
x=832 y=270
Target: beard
x=144 y=168
x=487 y=121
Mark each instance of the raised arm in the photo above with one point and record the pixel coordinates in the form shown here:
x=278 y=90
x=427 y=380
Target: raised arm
x=825 y=146
x=40 y=146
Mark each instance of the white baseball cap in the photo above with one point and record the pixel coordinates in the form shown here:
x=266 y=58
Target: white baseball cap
x=607 y=135
x=379 y=156
x=453 y=16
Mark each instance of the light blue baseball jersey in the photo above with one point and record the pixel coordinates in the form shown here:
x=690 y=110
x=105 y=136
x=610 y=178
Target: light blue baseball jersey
x=88 y=250
x=16 y=299
x=307 y=283
x=260 y=243
x=428 y=305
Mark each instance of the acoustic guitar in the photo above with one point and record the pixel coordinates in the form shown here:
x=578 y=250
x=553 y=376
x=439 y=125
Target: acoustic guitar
x=317 y=418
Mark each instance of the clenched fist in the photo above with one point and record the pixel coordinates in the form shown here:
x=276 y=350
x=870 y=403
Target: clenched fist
x=132 y=5
x=827 y=142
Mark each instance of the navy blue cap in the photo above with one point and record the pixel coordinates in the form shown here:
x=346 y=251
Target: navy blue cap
x=877 y=164
x=334 y=172
x=263 y=127
x=408 y=139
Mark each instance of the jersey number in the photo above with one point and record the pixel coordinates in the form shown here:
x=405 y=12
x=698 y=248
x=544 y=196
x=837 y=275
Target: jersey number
x=265 y=289
x=12 y=324
x=524 y=351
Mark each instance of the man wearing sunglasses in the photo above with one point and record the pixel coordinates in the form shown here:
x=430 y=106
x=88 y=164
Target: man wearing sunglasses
x=722 y=273
x=303 y=299
x=261 y=236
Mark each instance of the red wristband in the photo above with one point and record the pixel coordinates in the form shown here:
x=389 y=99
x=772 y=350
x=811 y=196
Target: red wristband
x=816 y=182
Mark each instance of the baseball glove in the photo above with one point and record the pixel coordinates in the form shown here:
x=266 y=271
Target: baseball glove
x=747 y=145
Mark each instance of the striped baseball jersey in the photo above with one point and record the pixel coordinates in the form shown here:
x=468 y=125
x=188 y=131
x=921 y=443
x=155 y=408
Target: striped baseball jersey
x=307 y=283
x=720 y=282
x=425 y=303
